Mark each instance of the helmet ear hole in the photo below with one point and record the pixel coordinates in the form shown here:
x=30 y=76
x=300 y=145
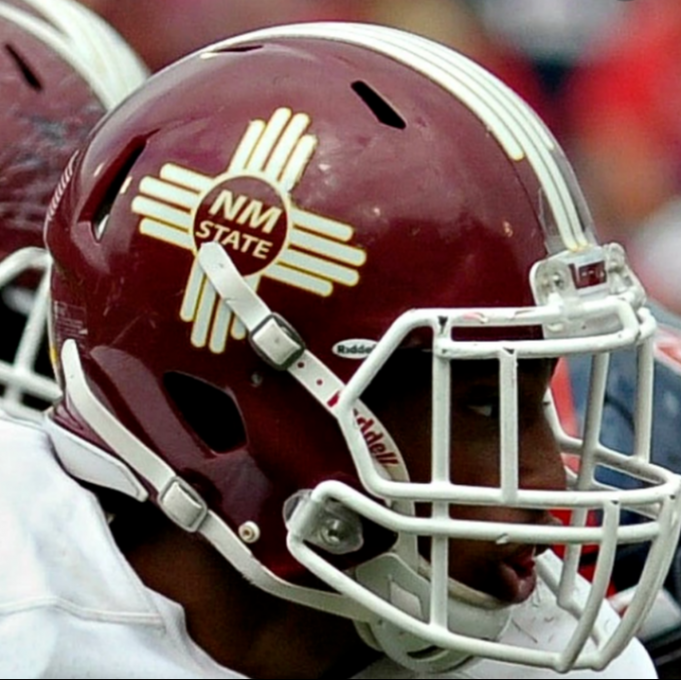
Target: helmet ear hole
x=208 y=410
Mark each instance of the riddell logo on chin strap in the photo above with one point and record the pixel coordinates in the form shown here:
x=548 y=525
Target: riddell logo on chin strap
x=377 y=441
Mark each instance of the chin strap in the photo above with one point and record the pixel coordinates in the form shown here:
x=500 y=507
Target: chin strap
x=388 y=576
x=470 y=613
x=385 y=597
x=379 y=594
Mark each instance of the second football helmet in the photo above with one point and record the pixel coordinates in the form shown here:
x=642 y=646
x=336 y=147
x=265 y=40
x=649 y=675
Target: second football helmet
x=266 y=229
x=61 y=69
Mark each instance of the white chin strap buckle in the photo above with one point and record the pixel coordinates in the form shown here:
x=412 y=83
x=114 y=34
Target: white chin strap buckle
x=276 y=342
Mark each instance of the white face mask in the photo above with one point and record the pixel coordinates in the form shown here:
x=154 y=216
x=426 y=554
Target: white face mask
x=26 y=391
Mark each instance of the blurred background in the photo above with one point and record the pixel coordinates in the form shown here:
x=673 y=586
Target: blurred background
x=604 y=74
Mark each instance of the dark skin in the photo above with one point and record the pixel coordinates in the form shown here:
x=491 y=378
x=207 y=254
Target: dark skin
x=238 y=625
x=261 y=636
x=474 y=457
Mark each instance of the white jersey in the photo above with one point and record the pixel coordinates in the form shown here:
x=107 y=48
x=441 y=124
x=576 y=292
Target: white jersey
x=72 y=607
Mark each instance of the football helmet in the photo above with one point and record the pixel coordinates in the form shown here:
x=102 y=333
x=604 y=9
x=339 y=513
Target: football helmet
x=61 y=69
x=239 y=258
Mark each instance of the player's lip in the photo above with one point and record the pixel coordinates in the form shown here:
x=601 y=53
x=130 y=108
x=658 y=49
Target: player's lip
x=518 y=573
x=516 y=565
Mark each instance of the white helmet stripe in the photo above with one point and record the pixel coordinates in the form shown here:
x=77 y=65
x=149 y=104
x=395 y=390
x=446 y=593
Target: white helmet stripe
x=537 y=143
x=86 y=42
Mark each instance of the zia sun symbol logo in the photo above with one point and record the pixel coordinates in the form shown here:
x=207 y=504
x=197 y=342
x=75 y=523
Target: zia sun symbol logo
x=249 y=210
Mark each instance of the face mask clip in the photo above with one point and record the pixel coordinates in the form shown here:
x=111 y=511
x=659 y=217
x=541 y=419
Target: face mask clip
x=327 y=525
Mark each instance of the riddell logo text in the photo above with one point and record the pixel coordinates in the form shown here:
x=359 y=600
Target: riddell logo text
x=374 y=436
x=354 y=349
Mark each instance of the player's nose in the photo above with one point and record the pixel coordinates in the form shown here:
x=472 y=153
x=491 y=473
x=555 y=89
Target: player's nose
x=540 y=460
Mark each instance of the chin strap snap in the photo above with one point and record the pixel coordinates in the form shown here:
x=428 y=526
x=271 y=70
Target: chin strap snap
x=277 y=343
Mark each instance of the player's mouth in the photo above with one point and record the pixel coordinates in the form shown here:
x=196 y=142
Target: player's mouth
x=518 y=575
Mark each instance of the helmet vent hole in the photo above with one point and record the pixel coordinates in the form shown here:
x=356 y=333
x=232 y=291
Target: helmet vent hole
x=385 y=113
x=238 y=48
x=208 y=410
x=115 y=185
x=26 y=71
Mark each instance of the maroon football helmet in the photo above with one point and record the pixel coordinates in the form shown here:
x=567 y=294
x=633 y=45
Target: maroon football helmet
x=246 y=242
x=61 y=69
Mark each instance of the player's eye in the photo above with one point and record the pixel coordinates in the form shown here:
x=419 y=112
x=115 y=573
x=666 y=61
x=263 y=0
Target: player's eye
x=485 y=408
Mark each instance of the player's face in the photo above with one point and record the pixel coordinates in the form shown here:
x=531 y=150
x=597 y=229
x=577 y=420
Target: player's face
x=402 y=398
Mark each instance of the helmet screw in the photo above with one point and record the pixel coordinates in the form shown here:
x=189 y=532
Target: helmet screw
x=249 y=532
x=334 y=533
x=558 y=280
